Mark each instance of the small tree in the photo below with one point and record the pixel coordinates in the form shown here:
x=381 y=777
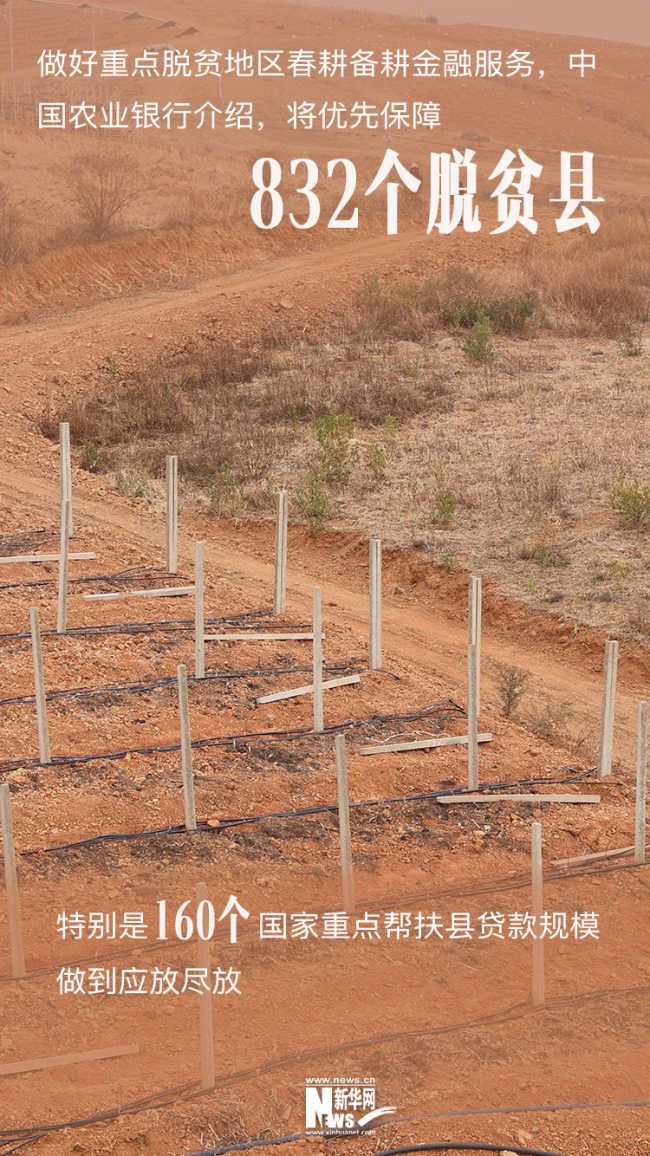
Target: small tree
x=312 y=498
x=102 y=184
x=631 y=501
x=479 y=344
x=512 y=684
x=336 y=455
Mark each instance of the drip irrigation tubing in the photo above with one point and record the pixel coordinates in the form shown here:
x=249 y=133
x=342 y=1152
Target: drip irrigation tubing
x=333 y=669
x=248 y=619
x=469 y=1146
x=147 y=574
x=184 y=1092
x=440 y=1146
x=488 y=887
x=204 y=826
x=443 y=710
x=452 y=1146
x=17 y=541
x=163 y=1099
x=491 y=887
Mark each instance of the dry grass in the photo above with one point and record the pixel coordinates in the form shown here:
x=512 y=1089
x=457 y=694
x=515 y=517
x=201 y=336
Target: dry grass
x=48 y=193
x=232 y=413
x=216 y=1126
x=180 y=222
x=513 y=466
x=584 y=285
x=598 y=283
x=170 y=188
x=177 y=220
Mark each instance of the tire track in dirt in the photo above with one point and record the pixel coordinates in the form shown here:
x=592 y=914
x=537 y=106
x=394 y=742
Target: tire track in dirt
x=171 y=307
x=321 y=280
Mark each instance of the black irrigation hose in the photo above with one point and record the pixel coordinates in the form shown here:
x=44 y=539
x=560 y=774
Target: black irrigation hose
x=247 y=618
x=203 y=827
x=439 y=1146
x=183 y=1092
x=162 y=1099
x=134 y=574
x=459 y=1147
x=448 y=1146
x=445 y=709
x=488 y=887
x=334 y=669
x=21 y=535
x=10 y=543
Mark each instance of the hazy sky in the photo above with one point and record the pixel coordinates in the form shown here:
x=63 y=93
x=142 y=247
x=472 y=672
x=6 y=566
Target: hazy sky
x=627 y=20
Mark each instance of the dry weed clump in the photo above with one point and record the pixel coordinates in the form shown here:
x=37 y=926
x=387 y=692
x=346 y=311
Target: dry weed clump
x=238 y=415
x=458 y=298
x=512 y=682
x=93 y=194
x=221 y=1125
x=585 y=285
x=101 y=183
x=367 y=380
x=598 y=283
x=191 y=405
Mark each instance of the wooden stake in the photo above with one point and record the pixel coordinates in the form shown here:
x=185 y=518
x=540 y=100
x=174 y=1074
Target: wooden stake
x=123 y=595
x=205 y=1001
x=641 y=777
x=607 y=710
x=318 y=660
x=537 y=912
x=186 y=749
x=66 y=469
x=11 y=884
x=45 y=558
x=171 y=496
x=64 y=1061
x=374 y=648
x=281 y=534
x=578 y=860
x=423 y=744
x=199 y=613
x=62 y=608
x=474 y=630
x=329 y=685
x=39 y=687
x=472 y=721
x=344 y=824
x=251 y=636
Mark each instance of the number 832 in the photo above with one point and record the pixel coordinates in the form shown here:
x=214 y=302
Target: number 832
x=268 y=188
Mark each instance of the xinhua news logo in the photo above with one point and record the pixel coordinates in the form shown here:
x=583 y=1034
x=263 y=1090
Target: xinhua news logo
x=341 y=1105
